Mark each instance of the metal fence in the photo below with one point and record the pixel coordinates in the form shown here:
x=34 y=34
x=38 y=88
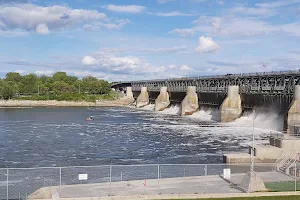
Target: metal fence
x=152 y=179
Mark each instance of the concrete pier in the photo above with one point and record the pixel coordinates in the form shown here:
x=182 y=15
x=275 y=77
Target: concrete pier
x=143 y=98
x=129 y=94
x=163 y=99
x=293 y=117
x=189 y=105
x=231 y=108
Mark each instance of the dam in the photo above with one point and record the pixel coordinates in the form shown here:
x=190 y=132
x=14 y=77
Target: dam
x=231 y=93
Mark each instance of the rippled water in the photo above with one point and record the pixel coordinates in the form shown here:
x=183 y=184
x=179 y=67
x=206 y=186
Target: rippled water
x=61 y=136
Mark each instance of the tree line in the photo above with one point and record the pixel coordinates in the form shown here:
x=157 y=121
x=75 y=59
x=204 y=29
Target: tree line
x=59 y=84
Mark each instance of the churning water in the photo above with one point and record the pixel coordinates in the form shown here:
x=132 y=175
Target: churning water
x=61 y=136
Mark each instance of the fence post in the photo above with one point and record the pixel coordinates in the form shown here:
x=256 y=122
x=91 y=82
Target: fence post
x=158 y=177
x=205 y=176
x=7 y=171
x=59 y=182
x=110 y=180
x=295 y=171
x=121 y=176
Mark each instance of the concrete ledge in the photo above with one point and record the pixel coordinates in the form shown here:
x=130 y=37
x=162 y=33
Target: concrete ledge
x=187 y=196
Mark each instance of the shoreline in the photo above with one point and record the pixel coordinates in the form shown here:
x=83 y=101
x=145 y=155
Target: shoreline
x=54 y=103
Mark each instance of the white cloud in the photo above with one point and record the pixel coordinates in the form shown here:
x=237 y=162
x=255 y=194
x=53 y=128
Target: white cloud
x=174 y=14
x=233 y=26
x=221 y=3
x=207 y=45
x=164 y=1
x=89 y=60
x=125 y=8
x=276 y=4
x=183 y=32
x=44 y=72
x=42 y=29
x=185 y=68
x=253 y=11
x=114 y=26
x=31 y=17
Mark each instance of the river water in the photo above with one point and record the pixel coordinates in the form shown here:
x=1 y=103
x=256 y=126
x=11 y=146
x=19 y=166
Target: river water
x=36 y=137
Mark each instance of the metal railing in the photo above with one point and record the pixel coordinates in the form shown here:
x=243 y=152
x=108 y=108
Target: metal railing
x=118 y=180
x=217 y=76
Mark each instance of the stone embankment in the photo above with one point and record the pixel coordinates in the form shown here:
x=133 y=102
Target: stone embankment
x=54 y=103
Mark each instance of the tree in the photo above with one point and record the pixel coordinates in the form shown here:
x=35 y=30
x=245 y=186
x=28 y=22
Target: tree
x=13 y=77
x=8 y=91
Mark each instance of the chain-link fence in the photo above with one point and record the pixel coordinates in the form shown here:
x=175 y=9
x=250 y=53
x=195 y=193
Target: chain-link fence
x=152 y=179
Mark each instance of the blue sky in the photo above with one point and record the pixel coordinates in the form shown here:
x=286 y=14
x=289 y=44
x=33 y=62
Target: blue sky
x=122 y=40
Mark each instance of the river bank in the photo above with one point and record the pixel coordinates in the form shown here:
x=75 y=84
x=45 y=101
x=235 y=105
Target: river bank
x=54 y=103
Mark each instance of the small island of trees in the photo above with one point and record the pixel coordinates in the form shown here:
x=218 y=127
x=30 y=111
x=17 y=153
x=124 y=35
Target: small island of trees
x=59 y=87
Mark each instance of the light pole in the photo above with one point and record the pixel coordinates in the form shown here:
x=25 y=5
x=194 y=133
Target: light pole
x=252 y=149
x=242 y=64
x=198 y=71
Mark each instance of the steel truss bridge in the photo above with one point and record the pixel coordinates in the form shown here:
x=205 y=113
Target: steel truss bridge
x=271 y=83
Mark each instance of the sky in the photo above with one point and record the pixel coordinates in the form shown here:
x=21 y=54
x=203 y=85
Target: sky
x=121 y=40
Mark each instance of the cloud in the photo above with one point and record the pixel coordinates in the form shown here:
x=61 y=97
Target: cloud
x=233 y=26
x=164 y=1
x=42 y=29
x=125 y=8
x=253 y=11
x=221 y=3
x=183 y=32
x=44 y=72
x=173 y=14
x=207 y=45
x=29 y=17
x=185 y=68
x=145 y=50
x=89 y=60
x=276 y=4
x=114 y=26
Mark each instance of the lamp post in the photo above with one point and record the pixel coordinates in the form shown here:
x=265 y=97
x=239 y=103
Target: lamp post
x=252 y=149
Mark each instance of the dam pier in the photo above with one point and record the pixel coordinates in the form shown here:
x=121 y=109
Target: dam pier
x=231 y=93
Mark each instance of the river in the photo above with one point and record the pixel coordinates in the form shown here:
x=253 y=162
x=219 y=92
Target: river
x=44 y=137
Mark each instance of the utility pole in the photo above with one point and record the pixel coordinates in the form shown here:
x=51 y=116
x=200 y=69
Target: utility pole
x=38 y=90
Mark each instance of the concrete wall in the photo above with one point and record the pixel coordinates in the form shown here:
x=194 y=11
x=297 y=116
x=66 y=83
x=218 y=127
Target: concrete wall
x=190 y=104
x=143 y=98
x=294 y=110
x=231 y=108
x=163 y=99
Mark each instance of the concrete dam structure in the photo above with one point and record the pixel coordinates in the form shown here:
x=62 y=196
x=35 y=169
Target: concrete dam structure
x=231 y=93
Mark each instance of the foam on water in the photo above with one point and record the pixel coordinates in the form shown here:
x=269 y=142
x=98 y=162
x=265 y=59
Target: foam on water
x=264 y=120
x=172 y=110
x=148 y=107
x=206 y=115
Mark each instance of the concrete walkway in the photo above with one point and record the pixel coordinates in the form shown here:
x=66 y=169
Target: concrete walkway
x=173 y=186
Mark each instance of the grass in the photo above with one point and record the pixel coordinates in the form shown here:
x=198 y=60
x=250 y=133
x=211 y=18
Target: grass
x=258 y=198
x=282 y=186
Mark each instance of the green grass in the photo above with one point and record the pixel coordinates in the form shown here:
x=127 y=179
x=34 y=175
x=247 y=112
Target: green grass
x=282 y=186
x=258 y=198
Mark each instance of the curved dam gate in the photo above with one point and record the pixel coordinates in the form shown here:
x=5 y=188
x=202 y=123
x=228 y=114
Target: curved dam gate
x=232 y=93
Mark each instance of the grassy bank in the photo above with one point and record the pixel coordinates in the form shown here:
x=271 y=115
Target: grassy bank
x=71 y=97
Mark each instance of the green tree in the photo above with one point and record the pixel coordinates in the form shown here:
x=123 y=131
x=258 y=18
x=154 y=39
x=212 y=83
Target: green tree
x=13 y=77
